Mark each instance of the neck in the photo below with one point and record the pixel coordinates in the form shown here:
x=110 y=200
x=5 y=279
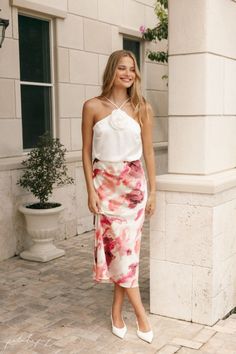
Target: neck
x=118 y=96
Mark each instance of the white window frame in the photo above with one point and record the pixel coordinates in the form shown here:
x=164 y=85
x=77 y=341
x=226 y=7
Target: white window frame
x=52 y=68
x=136 y=36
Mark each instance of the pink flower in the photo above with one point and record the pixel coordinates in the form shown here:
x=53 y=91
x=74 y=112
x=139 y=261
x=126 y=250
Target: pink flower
x=142 y=29
x=134 y=197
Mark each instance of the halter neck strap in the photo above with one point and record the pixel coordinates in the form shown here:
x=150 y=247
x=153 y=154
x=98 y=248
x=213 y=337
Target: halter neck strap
x=118 y=107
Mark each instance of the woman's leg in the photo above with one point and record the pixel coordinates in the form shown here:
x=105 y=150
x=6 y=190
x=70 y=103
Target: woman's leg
x=118 y=300
x=135 y=300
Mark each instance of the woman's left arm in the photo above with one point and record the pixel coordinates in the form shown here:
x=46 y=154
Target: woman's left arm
x=149 y=158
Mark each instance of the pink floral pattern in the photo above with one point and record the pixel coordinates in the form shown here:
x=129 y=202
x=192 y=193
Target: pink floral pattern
x=122 y=189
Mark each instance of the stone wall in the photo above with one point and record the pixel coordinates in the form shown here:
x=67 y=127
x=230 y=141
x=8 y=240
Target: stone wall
x=193 y=255
x=84 y=33
x=193 y=247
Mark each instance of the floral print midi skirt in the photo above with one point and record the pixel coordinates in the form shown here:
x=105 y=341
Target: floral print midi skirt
x=122 y=190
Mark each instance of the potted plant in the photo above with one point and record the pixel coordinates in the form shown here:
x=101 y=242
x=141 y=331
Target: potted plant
x=44 y=167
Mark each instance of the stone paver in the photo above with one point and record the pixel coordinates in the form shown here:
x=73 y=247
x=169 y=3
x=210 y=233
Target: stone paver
x=55 y=307
x=169 y=349
x=204 y=335
x=187 y=343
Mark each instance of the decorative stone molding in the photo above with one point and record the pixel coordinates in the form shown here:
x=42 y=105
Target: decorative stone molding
x=130 y=32
x=47 y=10
x=209 y=184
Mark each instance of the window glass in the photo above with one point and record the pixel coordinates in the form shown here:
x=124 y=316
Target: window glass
x=134 y=47
x=35 y=76
x=35 y=102
x=34 y=49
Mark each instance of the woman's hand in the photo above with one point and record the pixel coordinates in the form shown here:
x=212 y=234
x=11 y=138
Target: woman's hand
x=94 y=202
x=151 y=204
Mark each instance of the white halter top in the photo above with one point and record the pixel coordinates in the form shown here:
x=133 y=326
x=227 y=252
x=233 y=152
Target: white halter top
x=117 y=137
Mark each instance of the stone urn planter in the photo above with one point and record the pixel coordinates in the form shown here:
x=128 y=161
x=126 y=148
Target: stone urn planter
x=42 y=225
x=44 y=168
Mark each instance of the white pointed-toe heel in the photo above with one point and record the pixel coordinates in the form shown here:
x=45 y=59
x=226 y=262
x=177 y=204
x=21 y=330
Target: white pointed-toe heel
x=119 y=332
x=146 y=336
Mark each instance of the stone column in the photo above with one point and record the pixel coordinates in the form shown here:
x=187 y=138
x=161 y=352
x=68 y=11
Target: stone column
x=193 y=233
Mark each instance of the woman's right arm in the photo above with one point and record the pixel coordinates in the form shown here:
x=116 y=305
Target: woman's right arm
x=87 y=137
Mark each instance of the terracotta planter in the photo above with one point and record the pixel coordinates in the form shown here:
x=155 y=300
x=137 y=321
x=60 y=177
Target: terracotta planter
x=41 y=225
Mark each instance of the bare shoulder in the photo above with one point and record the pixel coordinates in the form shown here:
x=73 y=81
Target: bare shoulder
x=92 y=105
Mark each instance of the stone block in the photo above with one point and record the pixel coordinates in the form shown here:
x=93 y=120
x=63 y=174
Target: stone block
x=224 y=219
x=171 y=295
x=160 y=129
x=71 y=228
x=179 y=198
x=154 y=76
x=198 y=91
x=10 y=137
x=71 y=99
x=97 y=37
x=194 y=31
x=66 y=195
x=157 y=222
x=85 y=224
x=10 y=68
x=223 y=274
x=159 y=102
x=220 y=157
x=147 y=2
x=7 y=236
x=76 y=136
x=134 y=14
x=65 y=132
x=187 y=148
x=92 y=91
x=150 y=17
x=154 y=46
x=7 y=98
x=61 y=5
x=157 y=245
x=65 y=29
x=202 y=296
x=102 y=64
x=188 y=228
x=222 y=250
x=83 y=67
x=63 y=64
x=117 y=39
x=229 y=87
x=6 y=14
x=110 y=11
x=161 y=160
x=81 y=194
x=220 y=38
x=224 y=302
x=83 y=8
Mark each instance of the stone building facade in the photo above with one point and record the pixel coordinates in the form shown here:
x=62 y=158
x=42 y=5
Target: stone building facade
x=81 y=35
x=193 y=233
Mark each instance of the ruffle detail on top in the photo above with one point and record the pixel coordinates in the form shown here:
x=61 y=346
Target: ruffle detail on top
x=118 y=119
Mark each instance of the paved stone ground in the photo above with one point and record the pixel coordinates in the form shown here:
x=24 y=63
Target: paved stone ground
x=55 y=307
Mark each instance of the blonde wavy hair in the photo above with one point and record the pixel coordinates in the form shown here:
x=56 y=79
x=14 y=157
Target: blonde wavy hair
x=138 y=102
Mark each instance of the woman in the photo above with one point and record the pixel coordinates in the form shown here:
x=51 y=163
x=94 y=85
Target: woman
x=116 y=130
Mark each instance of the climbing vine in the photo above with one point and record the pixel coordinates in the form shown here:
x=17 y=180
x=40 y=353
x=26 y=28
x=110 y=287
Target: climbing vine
x=159 y=32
